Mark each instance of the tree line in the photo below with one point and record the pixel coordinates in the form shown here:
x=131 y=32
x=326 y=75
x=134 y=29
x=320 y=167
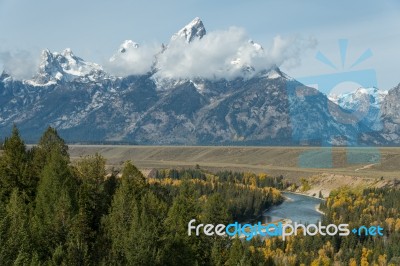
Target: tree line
x=57 y=212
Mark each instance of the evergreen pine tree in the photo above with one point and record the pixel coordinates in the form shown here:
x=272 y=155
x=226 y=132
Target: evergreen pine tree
x=124 y=212
x=49 y=141
x=215 y=210
x=236 y=253
x=188 y=250
x=14 y=231
x=144 y=243
x=55 y=204
x=14 y=167
x=92 y=205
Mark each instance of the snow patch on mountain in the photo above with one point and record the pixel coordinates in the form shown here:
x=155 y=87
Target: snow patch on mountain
x=274 y=74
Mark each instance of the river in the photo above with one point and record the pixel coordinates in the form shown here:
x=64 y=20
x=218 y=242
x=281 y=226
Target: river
x=298 y=208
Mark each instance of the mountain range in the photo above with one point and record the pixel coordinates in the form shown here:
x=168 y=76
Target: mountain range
x=87 y=104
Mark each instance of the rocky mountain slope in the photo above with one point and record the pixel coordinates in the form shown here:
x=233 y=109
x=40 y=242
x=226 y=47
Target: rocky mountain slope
x=87 y=104
x=391 y=116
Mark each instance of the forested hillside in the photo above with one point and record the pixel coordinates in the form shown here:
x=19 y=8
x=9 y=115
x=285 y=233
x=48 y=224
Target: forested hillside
x=57 y=212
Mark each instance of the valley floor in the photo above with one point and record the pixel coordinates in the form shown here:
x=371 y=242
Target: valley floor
x=384 y=169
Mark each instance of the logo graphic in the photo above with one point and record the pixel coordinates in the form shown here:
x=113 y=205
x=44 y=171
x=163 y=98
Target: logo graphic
x=354 y=122
x=248 y=231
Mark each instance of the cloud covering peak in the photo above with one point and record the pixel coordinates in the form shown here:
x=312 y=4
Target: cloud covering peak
x=191 y=53
x=19 y=64
x=132 y=59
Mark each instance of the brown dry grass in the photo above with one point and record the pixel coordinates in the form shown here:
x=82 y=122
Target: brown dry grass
x=271 y=160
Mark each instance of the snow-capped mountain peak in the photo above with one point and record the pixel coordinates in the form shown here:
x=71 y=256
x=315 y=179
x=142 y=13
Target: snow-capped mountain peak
x=68 y=53
x=126 y=45
x=194 y=30
x=246 y=68
x=257 y=46
x=64 y=66
x=275 y=73
x=350 y=100
x=124 y=48
x=365 y=103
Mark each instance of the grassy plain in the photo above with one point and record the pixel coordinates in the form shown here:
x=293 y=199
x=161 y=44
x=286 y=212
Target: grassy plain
x=382 y=162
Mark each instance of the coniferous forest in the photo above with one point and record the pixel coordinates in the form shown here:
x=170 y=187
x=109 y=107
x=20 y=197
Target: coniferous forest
x=54 y=211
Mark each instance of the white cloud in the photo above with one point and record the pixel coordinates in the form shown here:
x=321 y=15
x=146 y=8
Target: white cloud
x=219 y=54
x=226 y=54
x=287 y=51
x=19 y=64
x=209 y=57
x=134 y=59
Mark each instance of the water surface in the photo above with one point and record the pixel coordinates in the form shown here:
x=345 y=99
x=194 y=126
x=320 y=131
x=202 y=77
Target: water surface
x=298 y=208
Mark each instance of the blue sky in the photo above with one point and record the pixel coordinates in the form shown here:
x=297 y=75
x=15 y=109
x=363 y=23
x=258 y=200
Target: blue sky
x=95 y=29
